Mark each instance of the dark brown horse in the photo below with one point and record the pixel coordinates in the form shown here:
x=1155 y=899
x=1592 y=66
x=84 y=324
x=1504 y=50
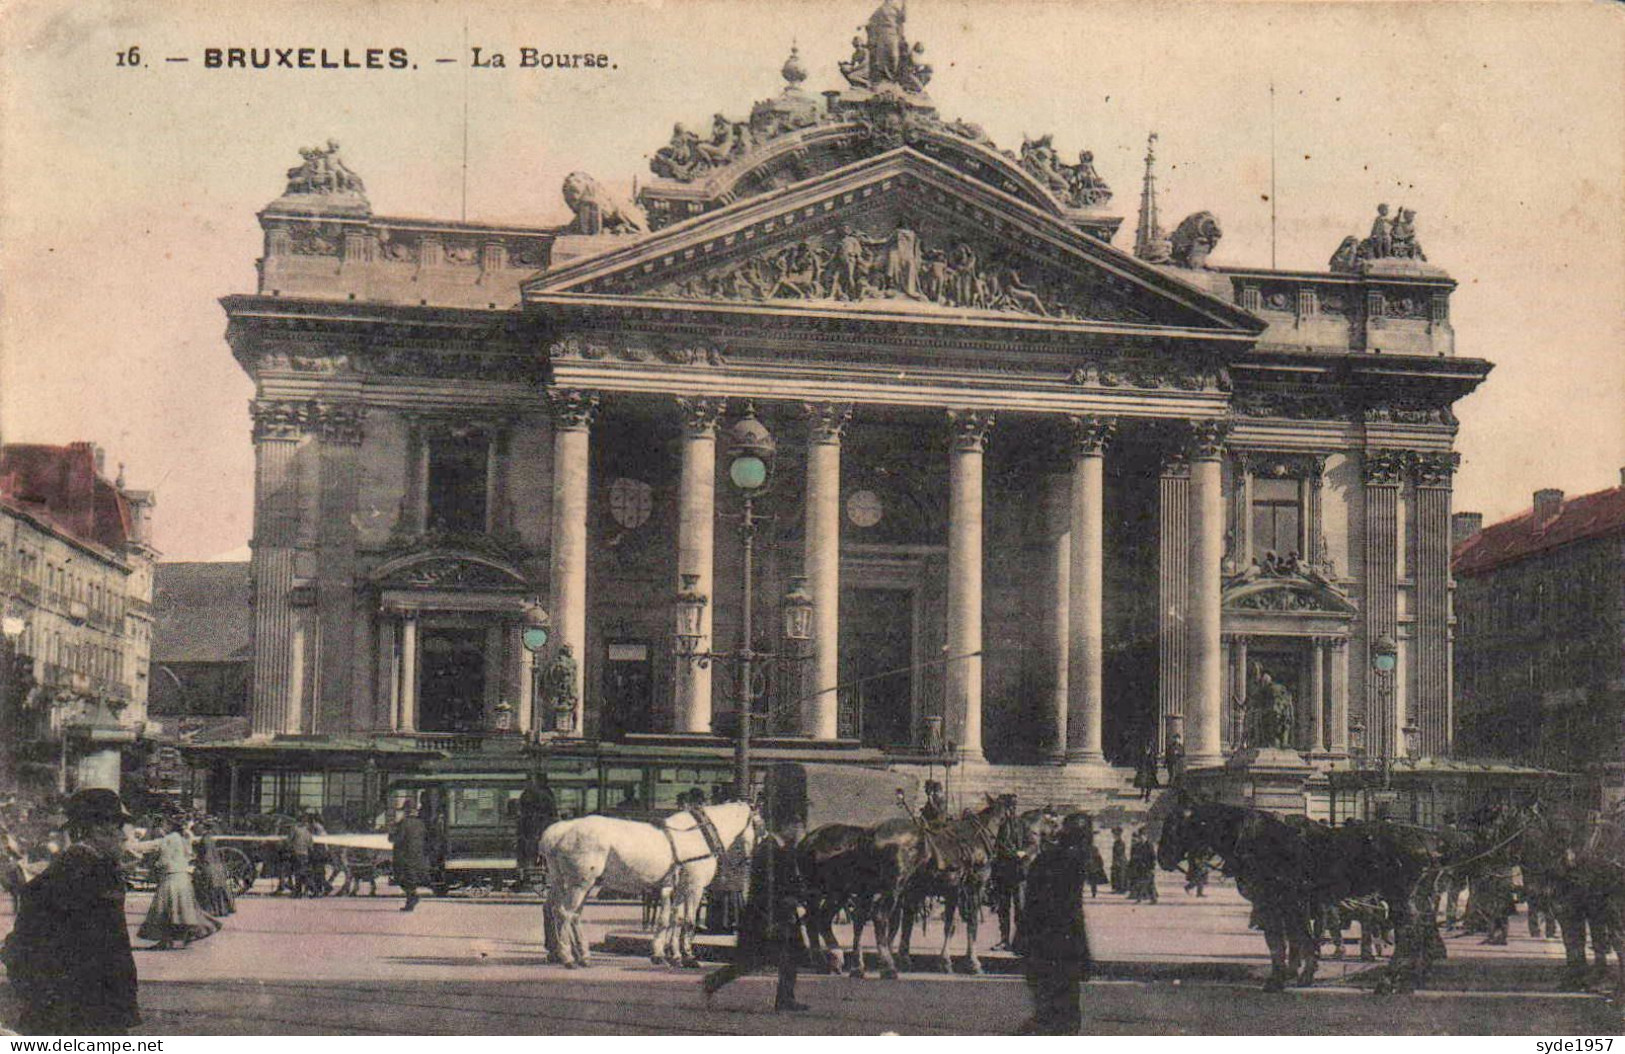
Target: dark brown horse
x=878 y=872
x=1578 y=861
x=954 y=864
x=1294 y=870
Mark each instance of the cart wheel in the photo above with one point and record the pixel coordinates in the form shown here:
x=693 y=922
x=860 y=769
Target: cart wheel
x=239 y=869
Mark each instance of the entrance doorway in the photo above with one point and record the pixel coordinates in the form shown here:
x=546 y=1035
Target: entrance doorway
x=877 y=656
x=451 y=682
x=627 y=691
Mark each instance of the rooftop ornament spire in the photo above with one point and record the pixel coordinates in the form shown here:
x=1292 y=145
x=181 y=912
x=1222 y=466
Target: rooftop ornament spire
x=1150 y=243
x=793 y=71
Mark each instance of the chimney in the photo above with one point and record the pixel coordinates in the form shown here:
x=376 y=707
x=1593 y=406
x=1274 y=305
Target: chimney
x=1622 y=478
x=1548 y=503
x=1463 y=525
x=101 y=460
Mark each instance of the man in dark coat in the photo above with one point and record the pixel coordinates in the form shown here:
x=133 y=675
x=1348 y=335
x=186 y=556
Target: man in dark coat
x=68 y=956
x=1119 y=861
x=537 y=812
x=1053 y=937
x=770 y=924
x=411 y=868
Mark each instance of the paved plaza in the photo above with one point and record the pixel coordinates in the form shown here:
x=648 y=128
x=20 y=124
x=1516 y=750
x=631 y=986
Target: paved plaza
x=474 y=966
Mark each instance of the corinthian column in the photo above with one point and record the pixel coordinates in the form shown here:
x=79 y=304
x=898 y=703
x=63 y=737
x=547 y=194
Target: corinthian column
x=696 y=550
x=573 y=412
x=1089 y=438
x=1205 y=698
x=964 y=673
x=279 y=428
x=825 y=421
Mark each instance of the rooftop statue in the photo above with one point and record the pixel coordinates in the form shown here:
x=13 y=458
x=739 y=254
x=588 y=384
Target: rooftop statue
x=323 y=172
x=596 y=209
x=1194 y=239
x=1391 y=239
x=881 y=53
x=1078 y=186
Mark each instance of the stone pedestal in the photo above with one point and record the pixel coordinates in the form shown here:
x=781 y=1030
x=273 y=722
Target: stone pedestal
x=1262 y=778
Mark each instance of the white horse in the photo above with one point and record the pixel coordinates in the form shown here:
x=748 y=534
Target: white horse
x=675 y=858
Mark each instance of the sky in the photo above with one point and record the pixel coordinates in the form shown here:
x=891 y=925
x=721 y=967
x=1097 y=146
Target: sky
x=128 y=194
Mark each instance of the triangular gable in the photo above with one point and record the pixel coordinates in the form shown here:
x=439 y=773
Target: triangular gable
x=896 y=232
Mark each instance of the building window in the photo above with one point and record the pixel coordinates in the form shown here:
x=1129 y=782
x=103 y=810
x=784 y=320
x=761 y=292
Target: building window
x=1277 y=517
x=458 y=474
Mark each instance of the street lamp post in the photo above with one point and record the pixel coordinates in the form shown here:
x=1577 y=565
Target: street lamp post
x=751 y=449
x=534 y=638
x=1384 y=660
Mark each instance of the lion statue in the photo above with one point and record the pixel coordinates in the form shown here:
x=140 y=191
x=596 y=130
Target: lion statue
x=1194 y=239
x=597 y=211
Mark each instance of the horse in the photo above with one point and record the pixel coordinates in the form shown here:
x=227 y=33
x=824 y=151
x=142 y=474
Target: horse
x=1270 y=861
x=832 y=861
x=1578 y=862
x=953 y=861
x=678 y=857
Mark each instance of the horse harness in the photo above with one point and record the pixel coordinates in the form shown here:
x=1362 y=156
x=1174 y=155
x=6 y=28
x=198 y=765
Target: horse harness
x=708 y=830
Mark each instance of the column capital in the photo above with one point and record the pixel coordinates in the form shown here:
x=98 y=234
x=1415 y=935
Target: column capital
x=338 y=422
x=826 y=421
x=1090 y=434
x=572 y=409
x=279 y=418
x=1176 y=463
x=1384 y=467
x=700 y=415
x=970 y=428
x=1434 y=468
x=1204 y=439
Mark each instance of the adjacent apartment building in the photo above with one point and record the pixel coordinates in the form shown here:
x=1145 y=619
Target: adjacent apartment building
x=76 y=569
x=1540 y=634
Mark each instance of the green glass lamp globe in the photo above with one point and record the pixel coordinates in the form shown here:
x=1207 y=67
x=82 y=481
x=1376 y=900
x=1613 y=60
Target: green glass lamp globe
x=748 y=473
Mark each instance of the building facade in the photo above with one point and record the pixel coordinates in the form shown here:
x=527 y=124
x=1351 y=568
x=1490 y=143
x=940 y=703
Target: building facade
x=76 y=559
x=1053 y=501
x=1540 y=648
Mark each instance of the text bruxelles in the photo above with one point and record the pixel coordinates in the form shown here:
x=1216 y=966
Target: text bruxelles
x=306 y=58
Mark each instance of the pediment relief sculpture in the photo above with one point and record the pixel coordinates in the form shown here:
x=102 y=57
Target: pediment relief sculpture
x=1285 y=583
x=461 y=571
x=852 y=263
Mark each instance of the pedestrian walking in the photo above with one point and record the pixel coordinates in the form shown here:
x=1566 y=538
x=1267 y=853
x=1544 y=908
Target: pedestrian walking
x=1196 y=877
x=1097 y=869
x=211 y=881
x=301 y=841
x=770 y=924
x=1053 y=937
x=174 y=914
x=1145 y=773
x=1173 y=759
x=68 y=955
x=1142 y=867
x=410 y=840
x=537 y=812
x=1119 y=862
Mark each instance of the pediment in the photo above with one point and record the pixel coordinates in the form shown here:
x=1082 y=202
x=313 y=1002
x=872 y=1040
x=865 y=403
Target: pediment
x=1304 y=592
x=899 y=233
x=444 y=569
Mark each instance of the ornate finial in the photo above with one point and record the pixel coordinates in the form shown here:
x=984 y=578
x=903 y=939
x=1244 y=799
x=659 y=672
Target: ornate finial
x=794 y=72
x=1150 y=244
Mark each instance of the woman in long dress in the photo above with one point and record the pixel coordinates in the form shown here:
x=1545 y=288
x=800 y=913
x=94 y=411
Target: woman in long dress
x=174 y=914
x=211 y=881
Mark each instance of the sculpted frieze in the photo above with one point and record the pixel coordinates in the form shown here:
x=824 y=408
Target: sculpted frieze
x=313 y=239
x=852 y=263
x=1150 y=374
x=575 y=347
x=1292 y=405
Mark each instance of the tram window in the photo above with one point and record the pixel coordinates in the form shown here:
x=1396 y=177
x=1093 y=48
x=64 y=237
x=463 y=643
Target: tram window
x=482 y=806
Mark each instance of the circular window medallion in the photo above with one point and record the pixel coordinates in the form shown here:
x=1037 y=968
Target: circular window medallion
x=630 y=501
x=863 y=508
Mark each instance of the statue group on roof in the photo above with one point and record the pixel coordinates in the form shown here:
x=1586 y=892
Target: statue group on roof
x=323 y=172
x=881 y=53
x=1391 y=239
x=1079 y=185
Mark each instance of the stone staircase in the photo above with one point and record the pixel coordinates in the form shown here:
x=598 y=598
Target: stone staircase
x=1092 y=788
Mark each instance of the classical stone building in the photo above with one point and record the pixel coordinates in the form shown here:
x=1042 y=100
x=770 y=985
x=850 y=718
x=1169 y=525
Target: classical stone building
x=1540 y=650
x=1054 y=501
x=76 y=560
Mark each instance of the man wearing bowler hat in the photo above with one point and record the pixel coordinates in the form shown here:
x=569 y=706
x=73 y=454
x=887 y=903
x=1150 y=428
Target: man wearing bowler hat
x=68 y=955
